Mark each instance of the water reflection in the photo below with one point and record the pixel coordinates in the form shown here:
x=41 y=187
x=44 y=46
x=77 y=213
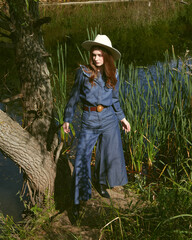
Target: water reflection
x=10 y=184
x=10 y=180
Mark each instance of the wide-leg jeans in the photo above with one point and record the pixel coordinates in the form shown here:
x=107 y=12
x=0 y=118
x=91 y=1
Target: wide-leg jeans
x=110 y=167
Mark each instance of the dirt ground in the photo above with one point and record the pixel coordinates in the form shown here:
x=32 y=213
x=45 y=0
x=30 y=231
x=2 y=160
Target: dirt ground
x=93 y=214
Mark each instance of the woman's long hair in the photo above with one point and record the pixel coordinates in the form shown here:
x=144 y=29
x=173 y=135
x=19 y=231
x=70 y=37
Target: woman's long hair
x=109 y=68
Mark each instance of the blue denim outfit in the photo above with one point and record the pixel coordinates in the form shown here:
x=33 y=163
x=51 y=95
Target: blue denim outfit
x=102 y=126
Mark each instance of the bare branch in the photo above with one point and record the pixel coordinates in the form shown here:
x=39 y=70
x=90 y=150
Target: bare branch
x=18 y=96
x=184 y=2
x=42 y=21
x=58 y=152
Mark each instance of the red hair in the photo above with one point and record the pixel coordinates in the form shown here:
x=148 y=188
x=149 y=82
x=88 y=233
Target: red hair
x=109 y=69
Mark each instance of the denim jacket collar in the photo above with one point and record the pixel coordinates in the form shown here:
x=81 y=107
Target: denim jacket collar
x=87 y=74
x=85 y=71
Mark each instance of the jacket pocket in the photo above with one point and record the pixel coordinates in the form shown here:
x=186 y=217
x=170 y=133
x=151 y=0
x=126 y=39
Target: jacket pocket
x=116 y=106
x=87 y=86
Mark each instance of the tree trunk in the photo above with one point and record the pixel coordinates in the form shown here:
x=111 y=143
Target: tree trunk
x=25 y=151
x=32 y=69
x=33 y=146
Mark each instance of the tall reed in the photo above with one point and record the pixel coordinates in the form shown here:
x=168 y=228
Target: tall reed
x=59 y=86
x=157 y=102
x=91 y=34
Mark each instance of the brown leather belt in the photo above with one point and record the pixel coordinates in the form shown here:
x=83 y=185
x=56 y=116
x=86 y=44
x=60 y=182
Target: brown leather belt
x=98 y=108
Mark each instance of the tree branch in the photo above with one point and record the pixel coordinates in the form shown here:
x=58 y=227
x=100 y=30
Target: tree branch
x=58 y=152
x=18 y=96
x=184 y=2
x=25 y=151
x=42 y=21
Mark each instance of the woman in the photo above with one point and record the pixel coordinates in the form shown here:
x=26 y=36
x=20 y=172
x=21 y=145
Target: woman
x=97 y=87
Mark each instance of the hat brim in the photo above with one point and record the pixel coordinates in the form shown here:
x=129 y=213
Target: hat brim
x=89 y=44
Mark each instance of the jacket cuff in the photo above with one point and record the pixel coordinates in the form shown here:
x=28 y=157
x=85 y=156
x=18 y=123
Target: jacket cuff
x=69 y=120
x=120 y=116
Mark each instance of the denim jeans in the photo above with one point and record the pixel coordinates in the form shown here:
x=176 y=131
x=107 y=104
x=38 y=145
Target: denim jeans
x=110 y=164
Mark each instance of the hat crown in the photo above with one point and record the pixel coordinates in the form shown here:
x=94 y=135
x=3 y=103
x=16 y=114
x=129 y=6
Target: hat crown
x=103 y=39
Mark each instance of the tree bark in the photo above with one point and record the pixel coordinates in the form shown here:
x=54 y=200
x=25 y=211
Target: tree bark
x=32 y=147
x=25 y=151
x=32 y=68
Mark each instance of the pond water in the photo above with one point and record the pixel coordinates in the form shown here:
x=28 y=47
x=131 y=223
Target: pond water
x=11 y=179
x=10 y=185
x=139 y=46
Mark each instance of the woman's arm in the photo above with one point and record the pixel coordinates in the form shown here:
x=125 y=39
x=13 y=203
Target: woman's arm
x=73 y=100
x=118 y=110
x=116 y=104
x=74 y=97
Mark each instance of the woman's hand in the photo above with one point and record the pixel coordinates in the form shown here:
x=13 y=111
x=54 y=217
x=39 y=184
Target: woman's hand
x=66 y=127
x=125 y=125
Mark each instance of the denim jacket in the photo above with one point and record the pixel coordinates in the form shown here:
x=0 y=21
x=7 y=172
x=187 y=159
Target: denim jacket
x=89 y=95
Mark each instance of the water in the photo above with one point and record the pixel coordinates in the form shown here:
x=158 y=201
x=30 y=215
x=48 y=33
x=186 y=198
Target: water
x=11 y=179
x=10 y=185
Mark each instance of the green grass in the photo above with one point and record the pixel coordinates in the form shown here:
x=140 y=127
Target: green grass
x=140 y=33
x=167 y=215
x=158 y=212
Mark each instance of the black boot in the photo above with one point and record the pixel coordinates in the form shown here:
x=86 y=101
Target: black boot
x=102 y=191
x=75 y=211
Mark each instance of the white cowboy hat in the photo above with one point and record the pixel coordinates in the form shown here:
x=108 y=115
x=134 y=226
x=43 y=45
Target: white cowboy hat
x=103 y=41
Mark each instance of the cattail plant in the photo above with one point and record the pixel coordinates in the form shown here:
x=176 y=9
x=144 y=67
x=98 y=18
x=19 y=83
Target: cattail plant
x=158 y=105
x=59 y=84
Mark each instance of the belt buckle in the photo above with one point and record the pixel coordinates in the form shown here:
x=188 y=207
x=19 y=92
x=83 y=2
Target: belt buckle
x=99 y=108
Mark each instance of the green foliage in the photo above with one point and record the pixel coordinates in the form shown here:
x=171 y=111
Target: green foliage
x=159 y=110
x=27 y=5
x=91 y=34
x=59 y=86
x=164 y=215
x=158 y=212
x=140 y=33
x=38 y=218
x=11 y=230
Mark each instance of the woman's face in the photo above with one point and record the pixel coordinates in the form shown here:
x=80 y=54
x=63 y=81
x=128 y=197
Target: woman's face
x=98 y=59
